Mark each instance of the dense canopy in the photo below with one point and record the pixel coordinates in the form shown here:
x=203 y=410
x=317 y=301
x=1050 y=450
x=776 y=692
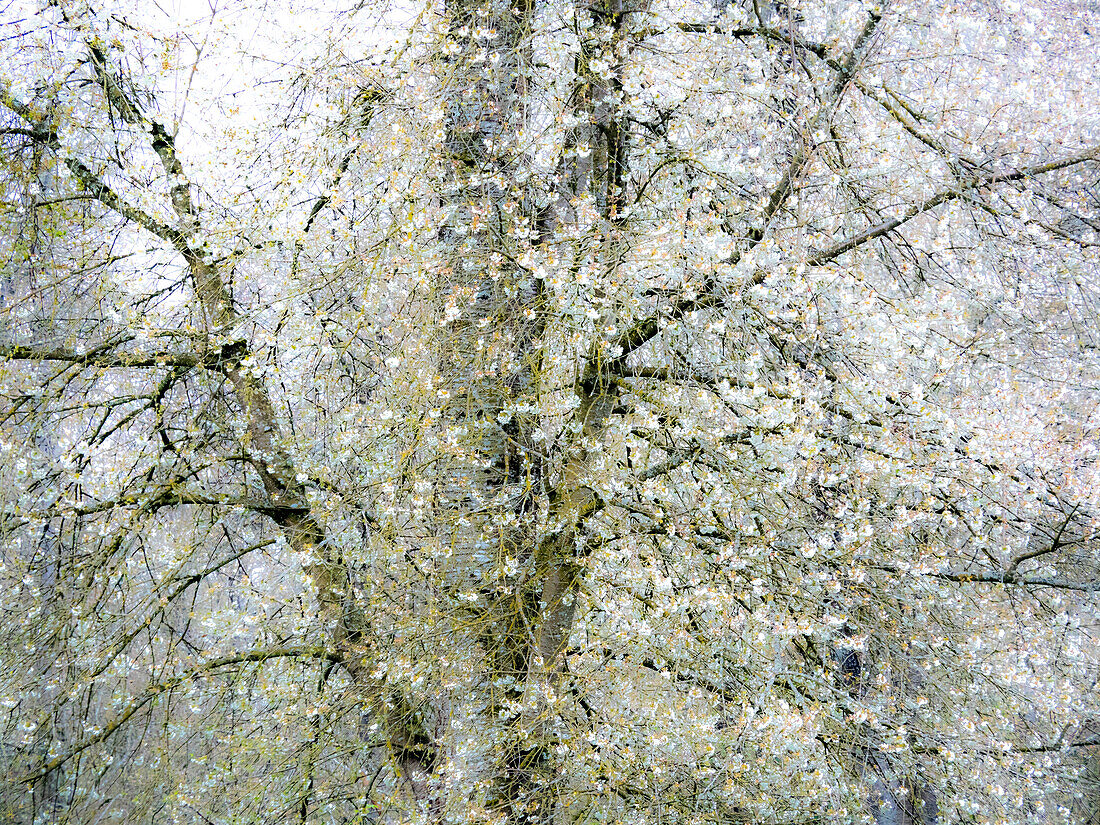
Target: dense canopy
x=549 y=411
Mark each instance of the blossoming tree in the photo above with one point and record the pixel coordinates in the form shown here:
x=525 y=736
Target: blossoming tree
x=549 y=412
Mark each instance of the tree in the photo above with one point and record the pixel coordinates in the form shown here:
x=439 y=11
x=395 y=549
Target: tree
x=558 y=412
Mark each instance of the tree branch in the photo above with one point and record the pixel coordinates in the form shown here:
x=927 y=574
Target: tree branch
x=995 y=577
x=153 y=691
x=944 y=196
x=213 y=359
x=641 y=332
x=281 y=514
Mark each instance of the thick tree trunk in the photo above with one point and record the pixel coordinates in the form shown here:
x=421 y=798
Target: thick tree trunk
x=490 y=369
x=488 y=349
x=489 y=488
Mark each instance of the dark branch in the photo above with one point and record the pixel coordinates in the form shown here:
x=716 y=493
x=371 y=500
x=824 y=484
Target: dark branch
x=153 y=691
x=944 y=196
x=215 y=359
x=996 y=577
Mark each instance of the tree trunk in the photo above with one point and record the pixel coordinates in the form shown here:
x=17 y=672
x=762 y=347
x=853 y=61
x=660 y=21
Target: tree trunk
x=492 y=493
